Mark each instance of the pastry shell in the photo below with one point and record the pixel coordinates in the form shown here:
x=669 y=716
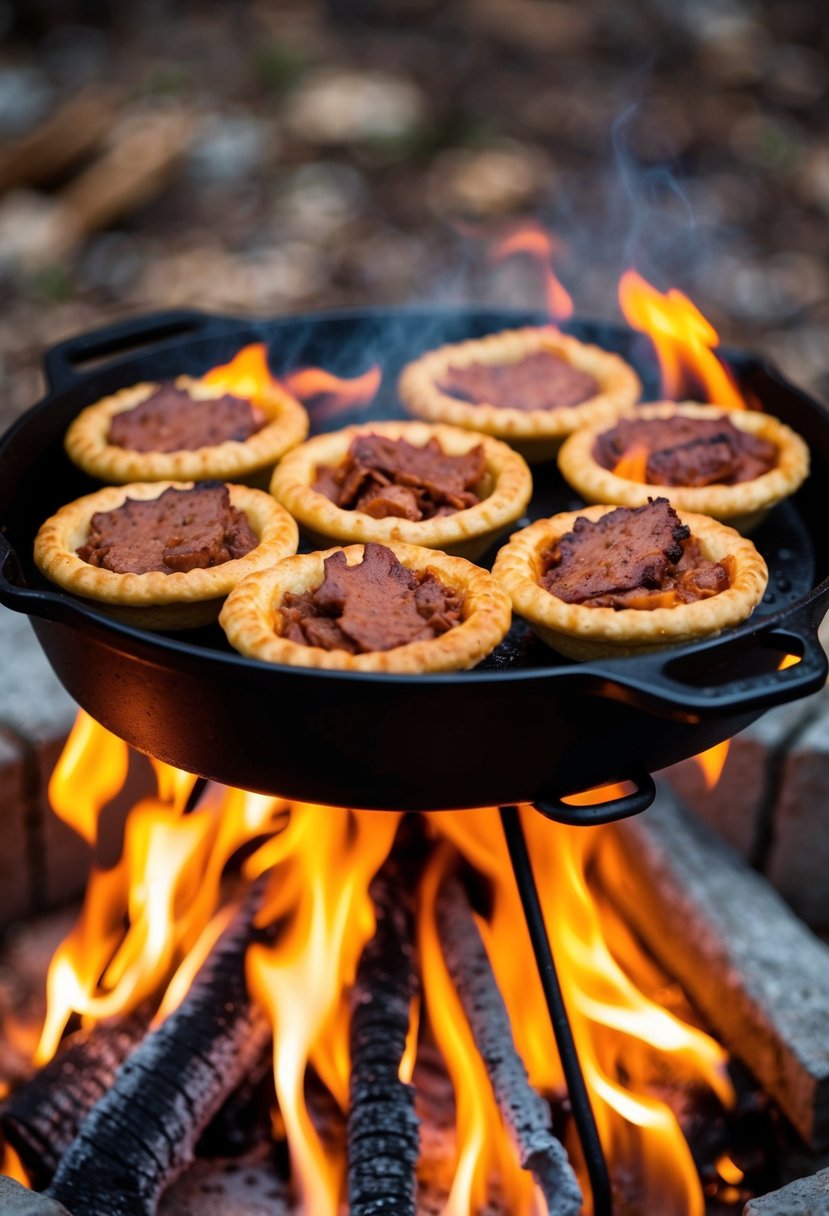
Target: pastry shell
x=251 y=616
x=180 y=600
x=742 y=505
x=251 y=460
x=466 y=533
x=584 y=632
x=536 y=434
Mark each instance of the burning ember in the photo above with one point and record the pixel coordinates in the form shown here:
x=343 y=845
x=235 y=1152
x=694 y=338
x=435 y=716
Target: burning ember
x=535 y=242
x=685 y=342
x=289 y=895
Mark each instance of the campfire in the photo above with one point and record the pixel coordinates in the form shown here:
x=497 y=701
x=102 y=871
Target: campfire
x=361 y=946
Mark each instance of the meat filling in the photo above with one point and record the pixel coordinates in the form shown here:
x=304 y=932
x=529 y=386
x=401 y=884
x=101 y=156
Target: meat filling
x=391 y=477
x=640 y=557
x=540 y=381
x=682 y=451
x=171 y=420
x=178 y=531
x=375 y=605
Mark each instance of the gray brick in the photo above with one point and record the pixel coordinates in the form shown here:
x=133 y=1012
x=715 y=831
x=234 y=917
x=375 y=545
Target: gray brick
x=736 y=807
x=806 y=1197
x=32 y=701
x=798 y=860
x=748 y=963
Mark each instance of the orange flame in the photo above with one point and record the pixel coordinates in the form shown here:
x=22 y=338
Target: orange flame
x=333 y=395
x=789 y=660
x=633 y=465
x=534 y=240
x=90 y=772
x=683 y=338
x=147 y=923
x=12 y=1167
x=712 y=763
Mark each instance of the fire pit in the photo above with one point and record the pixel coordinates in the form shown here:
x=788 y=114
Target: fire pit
x=526 y=726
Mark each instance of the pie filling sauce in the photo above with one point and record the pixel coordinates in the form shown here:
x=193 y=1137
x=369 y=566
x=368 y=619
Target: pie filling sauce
x=375 y=605
x=633 y=557
x=683 y=451
x=391 y=477
x=178 y=531
x=171 y=420
x=540 y=381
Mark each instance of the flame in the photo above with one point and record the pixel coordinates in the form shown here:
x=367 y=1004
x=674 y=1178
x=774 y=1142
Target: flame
x=633 y=465
x=248 y=374
x=333 y=395
x=683 y=338
x=534 y=240
x=147 y=923
x=301 y=981
x=789 y=660
x=90 y=772
x=728 y=1170
x=12 y=1167
x=712 y=763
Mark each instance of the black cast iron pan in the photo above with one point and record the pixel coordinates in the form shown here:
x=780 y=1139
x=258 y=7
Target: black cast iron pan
x=525 y=725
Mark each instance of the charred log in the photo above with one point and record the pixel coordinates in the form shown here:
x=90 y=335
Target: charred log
x=144 y=1131
x=42 y=1117
x=525 y=1113
x=383 y=1129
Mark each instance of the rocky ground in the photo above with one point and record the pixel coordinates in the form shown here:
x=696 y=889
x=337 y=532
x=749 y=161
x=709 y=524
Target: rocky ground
x=265 y=158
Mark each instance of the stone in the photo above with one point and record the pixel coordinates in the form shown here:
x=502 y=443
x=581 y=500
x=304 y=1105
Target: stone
x=798 y=859
x=747 y=962
x=15 y=895
x=17 y=1200
x=337 y=107
x=738 y=805
x=806 y=1197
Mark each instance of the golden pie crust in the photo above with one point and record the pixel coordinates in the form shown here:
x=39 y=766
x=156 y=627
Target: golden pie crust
x=249 y=460
x=180 y=600
x=466 y=533
x=251 y=617
x=536 y=434
x=742 y=505
x=583 y=632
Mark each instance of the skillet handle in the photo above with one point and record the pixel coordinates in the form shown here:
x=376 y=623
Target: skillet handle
x=62 y=361
x=51 y=605
x=711 y=682
x=593 y=814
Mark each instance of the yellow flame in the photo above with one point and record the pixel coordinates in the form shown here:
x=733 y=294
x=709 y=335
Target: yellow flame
x=90 y=772
x=683 y=338
x=537 y=243
x=728 y=1170
x=712 y=762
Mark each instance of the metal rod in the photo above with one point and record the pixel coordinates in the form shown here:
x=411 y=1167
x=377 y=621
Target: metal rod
x=579 y=1099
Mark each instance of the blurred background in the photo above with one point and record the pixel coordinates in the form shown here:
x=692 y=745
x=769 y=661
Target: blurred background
x=268 y=157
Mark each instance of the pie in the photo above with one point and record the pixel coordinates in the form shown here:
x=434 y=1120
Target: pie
x=381 y=608
x=530 y=387
x=436 y=486
x=732 y=466
x=185 y=430
x=612 y=580
x=163 y=555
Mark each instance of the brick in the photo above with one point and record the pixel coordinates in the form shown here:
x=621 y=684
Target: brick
x=737 y=807
x=749 y=964
x=806 y=1197
x=15 y=893
x=798 y=859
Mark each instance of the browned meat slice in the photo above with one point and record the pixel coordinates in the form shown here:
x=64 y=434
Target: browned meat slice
x=688 y=451
x=540 y=381
x=178 y=531
x=171 y=420
x=375 y=605
x=625 y=549
x=376 y=467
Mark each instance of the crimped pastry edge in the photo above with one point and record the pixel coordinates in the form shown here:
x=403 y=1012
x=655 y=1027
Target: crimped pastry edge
x=536 y=433
x=87 y=445
x=164 y=596
x=466 y=533
x=583 y=632
x=741 y=505
x=250 y=615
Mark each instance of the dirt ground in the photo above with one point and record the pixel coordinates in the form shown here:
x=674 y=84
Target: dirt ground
x=309 y=154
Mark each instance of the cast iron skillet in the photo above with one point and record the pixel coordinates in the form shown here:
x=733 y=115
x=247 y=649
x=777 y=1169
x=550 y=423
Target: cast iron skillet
x=525 y=725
